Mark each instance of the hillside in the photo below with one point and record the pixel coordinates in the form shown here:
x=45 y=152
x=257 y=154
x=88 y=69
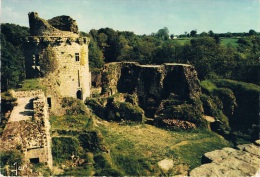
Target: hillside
x=154 y=106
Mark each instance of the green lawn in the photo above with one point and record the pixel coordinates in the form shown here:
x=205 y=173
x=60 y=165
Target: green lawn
x=136 y=150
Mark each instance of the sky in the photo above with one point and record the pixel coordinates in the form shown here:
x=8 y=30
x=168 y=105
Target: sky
x=142 y=16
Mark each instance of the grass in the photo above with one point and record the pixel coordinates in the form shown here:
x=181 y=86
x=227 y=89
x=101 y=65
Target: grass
x=183 y=41
x=32 y=84
x=70 y=122
x=136 y=150
x=208 y=86
x=229 y=41
x=224 y=41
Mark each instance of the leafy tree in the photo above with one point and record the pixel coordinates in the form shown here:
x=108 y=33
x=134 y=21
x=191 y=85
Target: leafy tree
x=203 y=34
x=252 y=32
x=211 y=34
x=193 y=33
x=167 y=52
x=163 y=33
x=12 y=59
x=96 y=59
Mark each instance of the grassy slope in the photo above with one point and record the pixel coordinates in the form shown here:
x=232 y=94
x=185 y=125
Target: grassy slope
x=136 y=150
x=224 y=41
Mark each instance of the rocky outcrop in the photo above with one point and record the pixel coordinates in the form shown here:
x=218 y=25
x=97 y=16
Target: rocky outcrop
x=243 y=161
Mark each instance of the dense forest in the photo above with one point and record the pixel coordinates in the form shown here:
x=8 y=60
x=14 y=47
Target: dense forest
x=206 y=51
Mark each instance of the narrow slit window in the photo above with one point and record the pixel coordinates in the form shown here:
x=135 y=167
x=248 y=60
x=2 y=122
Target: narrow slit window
x=77 y=56
x=49 y=101
x=37 y=60
x=78 y=79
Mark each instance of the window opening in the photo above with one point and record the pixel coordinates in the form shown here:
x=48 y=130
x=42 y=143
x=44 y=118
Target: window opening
x=77 y=56
x=78 y=79
x=49 y=102
x=34 y=160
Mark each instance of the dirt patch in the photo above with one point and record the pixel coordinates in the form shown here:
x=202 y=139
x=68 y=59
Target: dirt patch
x=209 y=118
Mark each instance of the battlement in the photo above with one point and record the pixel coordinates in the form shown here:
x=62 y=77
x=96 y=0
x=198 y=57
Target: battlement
x=57 y=39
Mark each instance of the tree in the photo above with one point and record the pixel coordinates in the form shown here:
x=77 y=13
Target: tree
x=211 y=34
x=96 y=59
x=252 y=32
x=163 y=33
x=203 y=34
x=193 y=33
x=12 y=57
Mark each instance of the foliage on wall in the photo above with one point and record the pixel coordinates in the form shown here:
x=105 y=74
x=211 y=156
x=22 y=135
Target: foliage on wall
x=49 y=61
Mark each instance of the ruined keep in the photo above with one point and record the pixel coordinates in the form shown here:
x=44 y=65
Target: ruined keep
x=57 y=53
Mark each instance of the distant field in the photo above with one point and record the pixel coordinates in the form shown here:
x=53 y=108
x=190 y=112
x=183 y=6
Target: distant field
x=183 y=41
x=224 y=41
x=231 y=41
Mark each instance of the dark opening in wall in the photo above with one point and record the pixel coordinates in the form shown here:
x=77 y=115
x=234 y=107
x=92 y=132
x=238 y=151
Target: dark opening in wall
x=79 y=95
x=49 y=102
x=37 y=58
x=34 y=160
x=77 y=56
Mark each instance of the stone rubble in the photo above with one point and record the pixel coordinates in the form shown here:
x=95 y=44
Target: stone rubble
x=243 y=161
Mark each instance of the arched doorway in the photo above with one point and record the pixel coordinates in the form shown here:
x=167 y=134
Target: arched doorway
x=79 y=94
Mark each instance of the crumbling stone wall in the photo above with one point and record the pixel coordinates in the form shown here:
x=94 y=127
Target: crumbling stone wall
x=32 y=137
x=41 y=27
x=31 y=93
x=60 y=56
x=151 y=83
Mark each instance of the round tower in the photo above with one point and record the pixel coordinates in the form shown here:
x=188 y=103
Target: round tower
x=56 y=53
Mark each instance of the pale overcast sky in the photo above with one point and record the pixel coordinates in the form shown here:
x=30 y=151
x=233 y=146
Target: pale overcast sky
x=142 y=16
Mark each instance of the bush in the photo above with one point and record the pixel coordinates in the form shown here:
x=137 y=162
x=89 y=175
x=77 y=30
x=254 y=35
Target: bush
x=247 y=111
x=73 y=106
x=92 y=141
x=64 y=147
x=8 y=158
x=102 y=161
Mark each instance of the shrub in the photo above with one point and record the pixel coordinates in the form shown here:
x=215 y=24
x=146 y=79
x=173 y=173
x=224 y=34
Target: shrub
x=73 y=106
x=247 y=111
x=8 y=158
x=64 y=147
x=92 y=141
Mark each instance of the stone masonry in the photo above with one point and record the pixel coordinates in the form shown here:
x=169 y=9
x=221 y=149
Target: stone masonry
x=242 y=161
x=28 y=128
x=60 y=57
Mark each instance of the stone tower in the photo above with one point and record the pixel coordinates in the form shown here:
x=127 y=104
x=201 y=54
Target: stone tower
x=56 y=53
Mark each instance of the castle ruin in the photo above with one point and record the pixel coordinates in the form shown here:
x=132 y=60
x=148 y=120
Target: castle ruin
x=56 y=52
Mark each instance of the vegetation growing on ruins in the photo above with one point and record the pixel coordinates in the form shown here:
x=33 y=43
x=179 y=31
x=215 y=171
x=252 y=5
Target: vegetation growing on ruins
x=49 y=61
x=84 y=145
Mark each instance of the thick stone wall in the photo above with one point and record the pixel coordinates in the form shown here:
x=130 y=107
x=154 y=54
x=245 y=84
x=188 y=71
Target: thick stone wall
x=31 y=136
x=151 y=83
x=59 y=56
x=22 y=94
